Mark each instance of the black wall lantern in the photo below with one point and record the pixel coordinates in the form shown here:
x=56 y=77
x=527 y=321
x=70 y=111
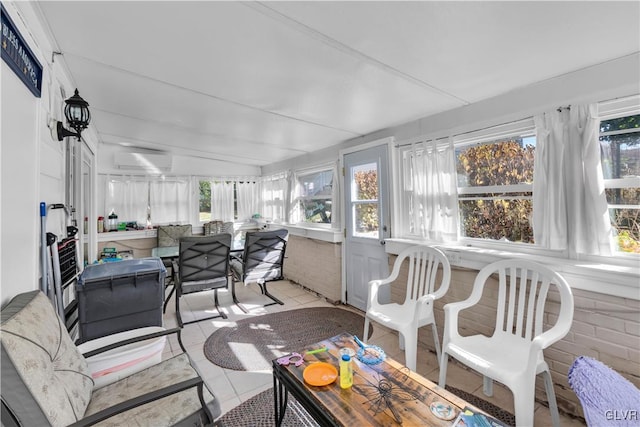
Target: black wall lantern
x=77 y=114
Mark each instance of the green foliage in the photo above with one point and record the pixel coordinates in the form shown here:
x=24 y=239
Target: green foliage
x=367 y=214
x=205 y=196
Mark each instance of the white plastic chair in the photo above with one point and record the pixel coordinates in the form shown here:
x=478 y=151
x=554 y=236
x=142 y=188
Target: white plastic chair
x=423 y=288
x=513 y=354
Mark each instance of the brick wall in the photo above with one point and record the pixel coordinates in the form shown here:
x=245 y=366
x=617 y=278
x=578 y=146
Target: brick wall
x=315 y=264
x=604 y=327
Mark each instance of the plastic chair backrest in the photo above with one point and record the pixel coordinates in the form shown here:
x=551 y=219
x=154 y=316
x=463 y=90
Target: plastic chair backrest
x=523 y=288
x=424 y=264
x=204 y=257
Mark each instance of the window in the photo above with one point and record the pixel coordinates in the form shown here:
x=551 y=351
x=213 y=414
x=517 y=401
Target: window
x=314 y=199
x=620 y=156
x=228 y=200
x=495 y=188
x=365 y=200
x=146 y=202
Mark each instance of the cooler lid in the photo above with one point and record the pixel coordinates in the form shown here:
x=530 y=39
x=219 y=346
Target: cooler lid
x=127 y=267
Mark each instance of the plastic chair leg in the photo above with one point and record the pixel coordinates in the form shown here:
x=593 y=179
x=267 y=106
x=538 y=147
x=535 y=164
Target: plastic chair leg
x=436 y=341
x=524 y=403
x=411 y=349
x=551 y=397
x=487 y=386
x=365 y=334
x=442 y=381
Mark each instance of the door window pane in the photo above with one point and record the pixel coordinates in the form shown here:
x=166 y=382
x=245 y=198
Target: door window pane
x=365 y=182
x=365 y=218
x=364 y=197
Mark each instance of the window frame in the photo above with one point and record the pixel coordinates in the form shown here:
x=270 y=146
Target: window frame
x=510 y=191
x=609 y=110
x=296 y=211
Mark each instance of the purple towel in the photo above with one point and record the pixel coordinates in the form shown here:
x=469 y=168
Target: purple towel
x=607 y=398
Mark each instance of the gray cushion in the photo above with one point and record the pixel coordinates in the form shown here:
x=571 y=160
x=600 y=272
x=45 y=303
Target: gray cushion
x=45 y=379
x=167 y=411
x=169 y=235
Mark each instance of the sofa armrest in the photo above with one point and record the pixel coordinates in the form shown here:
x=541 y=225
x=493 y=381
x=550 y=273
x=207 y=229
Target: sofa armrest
x=137 y=339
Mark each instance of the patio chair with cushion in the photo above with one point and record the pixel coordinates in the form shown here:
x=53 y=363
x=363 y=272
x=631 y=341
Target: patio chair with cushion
x=203 y=265
x=262 y=260
x=169 y=236
x=47 y=382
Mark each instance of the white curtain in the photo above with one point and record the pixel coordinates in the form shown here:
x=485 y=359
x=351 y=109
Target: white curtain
x=274 y=195
x=433 y=183
x=128 y=199
x=222 y=201
x=549 y=219
x=568 y=183
x=295 y=211
x=248 y=194
x=170 y=201
x=336 y=198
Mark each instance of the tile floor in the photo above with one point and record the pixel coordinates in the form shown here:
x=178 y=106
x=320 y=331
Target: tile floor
x=234 y=387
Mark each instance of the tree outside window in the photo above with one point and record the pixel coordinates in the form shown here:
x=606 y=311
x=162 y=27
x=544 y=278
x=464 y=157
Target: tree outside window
x=494 y=181
x=620 y=156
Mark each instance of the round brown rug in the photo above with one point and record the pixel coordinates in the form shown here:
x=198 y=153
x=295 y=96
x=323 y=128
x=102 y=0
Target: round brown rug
x=253 y=343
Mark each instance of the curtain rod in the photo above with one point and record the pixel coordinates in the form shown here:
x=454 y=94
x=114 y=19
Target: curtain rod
x=470 y=131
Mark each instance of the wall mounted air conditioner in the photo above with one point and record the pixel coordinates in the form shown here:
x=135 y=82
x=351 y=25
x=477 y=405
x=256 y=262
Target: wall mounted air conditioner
x=151 y=163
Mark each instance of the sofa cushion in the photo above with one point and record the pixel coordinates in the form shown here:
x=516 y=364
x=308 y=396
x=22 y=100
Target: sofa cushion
x=49 y=378
x=170 y=410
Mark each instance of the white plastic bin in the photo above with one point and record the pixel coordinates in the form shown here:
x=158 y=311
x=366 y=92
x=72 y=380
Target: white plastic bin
x=121 y=362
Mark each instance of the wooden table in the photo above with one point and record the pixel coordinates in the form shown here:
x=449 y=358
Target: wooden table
x=410 y=394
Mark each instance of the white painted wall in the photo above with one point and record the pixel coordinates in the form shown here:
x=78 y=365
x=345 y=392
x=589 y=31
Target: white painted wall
x=19 y=268
x=33 y=163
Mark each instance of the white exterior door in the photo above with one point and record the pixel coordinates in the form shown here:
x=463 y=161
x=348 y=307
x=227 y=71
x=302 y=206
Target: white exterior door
x=366 y=189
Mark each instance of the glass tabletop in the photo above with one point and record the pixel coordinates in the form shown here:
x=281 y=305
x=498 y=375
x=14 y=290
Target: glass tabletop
x=174 y=251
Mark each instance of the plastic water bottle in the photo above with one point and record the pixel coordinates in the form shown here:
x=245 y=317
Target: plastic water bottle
x=346 y=371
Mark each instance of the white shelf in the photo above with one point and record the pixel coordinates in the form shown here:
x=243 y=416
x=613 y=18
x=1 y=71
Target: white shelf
x=126 y=235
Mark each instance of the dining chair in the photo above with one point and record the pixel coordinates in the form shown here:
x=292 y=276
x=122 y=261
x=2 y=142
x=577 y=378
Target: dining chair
x=47 y=381
x=203 y=265
x=169 y=236
x=513 y=354
x=212 y=227
x=262 y=260
x=429 y=275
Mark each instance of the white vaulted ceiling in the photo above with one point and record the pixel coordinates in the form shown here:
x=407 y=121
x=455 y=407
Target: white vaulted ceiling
x=256 y=83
